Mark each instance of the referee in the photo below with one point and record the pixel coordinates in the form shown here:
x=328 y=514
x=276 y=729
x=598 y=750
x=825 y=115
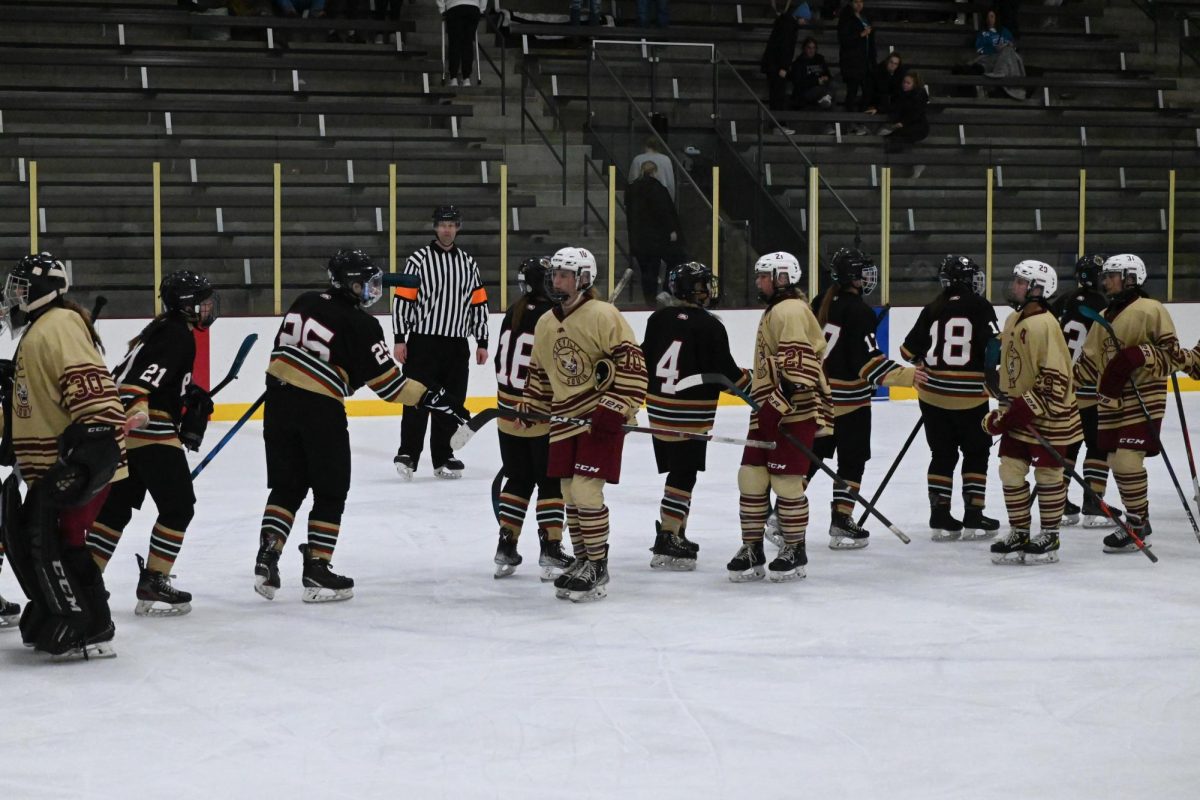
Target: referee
x=431 y=325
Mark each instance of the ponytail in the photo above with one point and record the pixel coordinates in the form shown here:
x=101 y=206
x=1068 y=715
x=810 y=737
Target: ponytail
x=87 y=320
x=831 y=294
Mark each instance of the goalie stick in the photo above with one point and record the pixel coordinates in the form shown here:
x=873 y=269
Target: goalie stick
x=465 y=432
x=717 y=379
x=1099 y=319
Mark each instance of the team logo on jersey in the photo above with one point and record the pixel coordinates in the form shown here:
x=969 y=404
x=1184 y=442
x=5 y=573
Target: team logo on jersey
x=1013 y=363
x=573 y=365
x=23 y=410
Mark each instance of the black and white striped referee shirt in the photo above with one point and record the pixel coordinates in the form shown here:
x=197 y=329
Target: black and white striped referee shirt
x=451 y=300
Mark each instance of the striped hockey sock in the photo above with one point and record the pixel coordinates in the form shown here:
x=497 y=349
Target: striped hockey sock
x=277 y=522
x=512 y=511
x=550 y=517
x=793 y=518
x=594 y=525
x=673 y=511
x=102 y=543
x=164 y=548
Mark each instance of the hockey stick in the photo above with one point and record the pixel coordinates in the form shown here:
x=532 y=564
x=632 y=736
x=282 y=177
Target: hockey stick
x=892 y=469
x=621 y=284
x=1088 y=491
x=97 y=307
x=718 y=379
x=1187 y=439
x=465 y=432
x=243 y=351
x=225 y=439
x=1098 y=318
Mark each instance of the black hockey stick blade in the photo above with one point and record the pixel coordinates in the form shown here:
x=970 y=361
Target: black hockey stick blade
x=402 y=279
x=713 y=379
x=243 y=351
x=98 y=306
x=496 y=483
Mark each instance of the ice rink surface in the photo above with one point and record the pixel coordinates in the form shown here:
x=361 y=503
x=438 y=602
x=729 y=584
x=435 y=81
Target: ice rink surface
x=919 y=671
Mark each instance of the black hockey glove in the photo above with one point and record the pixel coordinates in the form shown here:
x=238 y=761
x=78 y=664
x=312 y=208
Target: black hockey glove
x=88 y=455
x=197 y=408
x=435 y=399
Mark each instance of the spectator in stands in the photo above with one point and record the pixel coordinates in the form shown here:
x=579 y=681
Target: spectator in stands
x=461 y=18
x=662 y=16
x=810 y=78
x=387 y=10
x=908 y=121
x=779 y=53
x=654 y=231
x=345 y=9
x=665 y=173
x=884 y=84
x=294 y=8
x=856 y=40
x=593 y=12
x=996 y=55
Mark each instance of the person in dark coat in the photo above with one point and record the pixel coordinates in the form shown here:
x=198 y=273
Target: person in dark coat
x=810 y=78
x=654 y=230
x=884 y=84
x=856 y=41
x=909 y=123
x=777 y=57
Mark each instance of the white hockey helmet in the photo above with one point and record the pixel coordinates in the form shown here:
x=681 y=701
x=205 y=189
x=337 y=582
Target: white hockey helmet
x=777 y=263
x=578 y=260
x=1127 y=264
x=1038 y=273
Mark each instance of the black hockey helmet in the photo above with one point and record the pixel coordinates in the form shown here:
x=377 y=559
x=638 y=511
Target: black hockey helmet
x=531 y=275
x=686 y=281
x=190 y=294
x=1088 y=269
x=849 y=265
x=960 y=272
x=448 y=213
x=350 y=267
x=35 y=282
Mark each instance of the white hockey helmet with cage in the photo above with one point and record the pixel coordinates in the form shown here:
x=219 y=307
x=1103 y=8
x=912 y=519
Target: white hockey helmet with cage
x=1038 y=273
x=1127 y=264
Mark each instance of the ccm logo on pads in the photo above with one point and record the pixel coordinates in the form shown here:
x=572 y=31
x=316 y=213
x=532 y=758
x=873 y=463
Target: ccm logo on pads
x=776 y=466
x=586 y=468
x=1132 y=441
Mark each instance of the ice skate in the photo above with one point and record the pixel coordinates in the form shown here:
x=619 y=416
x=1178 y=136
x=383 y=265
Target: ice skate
x=589 y=583
x=1119 y=542
x=266 y=568
x=507 y=558
x=98 y=645
x=451 y=470
x=1070 y=514
x=560 y=583
x=773 y=532
x=321 y=583
x=1011 y=549
x=748 y=563
x=789 y=564
x=405 y=466
x=944 y=527
x=672 y=551
x=1042 y=549
x=157 y=597
x=976 y=526
x=552 y=558
x=845 y=533
x=1093 y=517
x=10 y=614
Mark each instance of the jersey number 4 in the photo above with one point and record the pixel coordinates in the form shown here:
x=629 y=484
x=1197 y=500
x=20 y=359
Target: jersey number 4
x=667 y=368
x=515 y=372
x=306 y=333
x=953 y=346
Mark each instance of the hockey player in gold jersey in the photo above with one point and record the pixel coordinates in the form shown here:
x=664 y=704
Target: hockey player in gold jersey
x=1036 y=392
x=790 y=389
x=586 y=364
x=65 y=422
x=1146 y=352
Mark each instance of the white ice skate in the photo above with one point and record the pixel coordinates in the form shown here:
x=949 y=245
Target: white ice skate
x=404 y=467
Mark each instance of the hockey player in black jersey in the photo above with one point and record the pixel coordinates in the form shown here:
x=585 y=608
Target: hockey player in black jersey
x=681 y=340
x=167 y=412
x=525 y=448
x=327 y=347
x=950 y=341
x=1075 y=327
x=854 y=367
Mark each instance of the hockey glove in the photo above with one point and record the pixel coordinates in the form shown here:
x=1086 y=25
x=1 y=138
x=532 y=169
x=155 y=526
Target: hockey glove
x=437 y=400
x=607 y=421
x=88 y=456
x=1018 y=416
x=768 y=423
x=197 y=408
x=1116 y=374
